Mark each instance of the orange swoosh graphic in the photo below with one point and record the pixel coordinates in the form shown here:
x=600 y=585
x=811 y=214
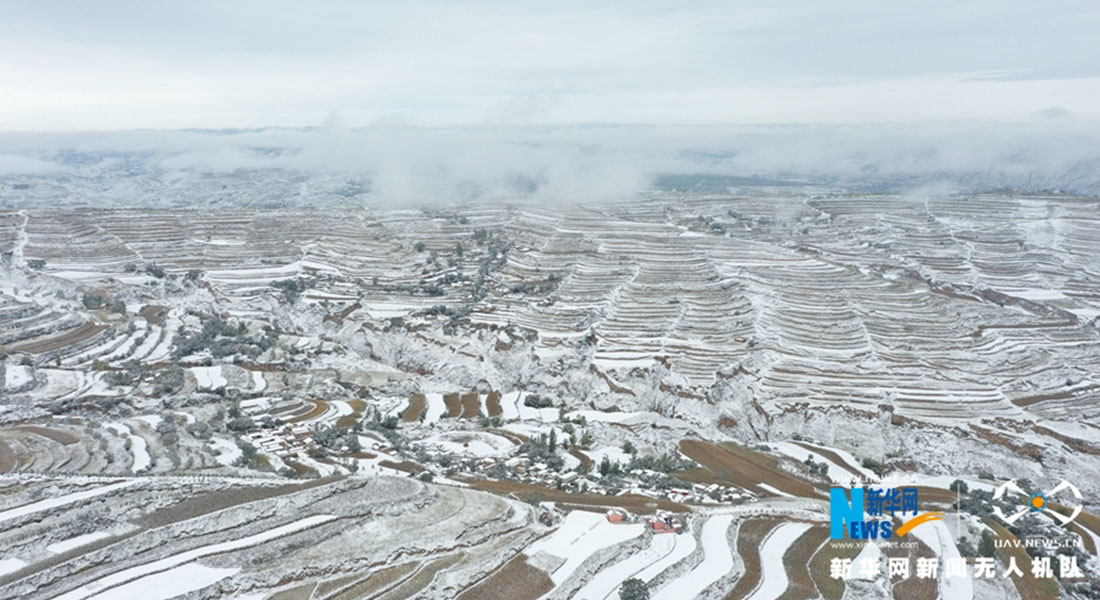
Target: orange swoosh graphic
x=929 y=516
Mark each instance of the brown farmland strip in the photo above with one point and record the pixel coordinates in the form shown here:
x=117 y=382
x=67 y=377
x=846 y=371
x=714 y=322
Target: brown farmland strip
x=749 y=537
x=831 y=589
x=213 y=501
x=581 y=456
x=913 y=588
x=454 y=407
x=61 y=437
x=7 y=458
x=73 y=336
x=517 y=580
x=833 y=456
x=153 y=313
x=418 y=403
x=797 y=564
x=492 y=404
x=378 y=581
x=407 y=466
x=357 y=408
x=301 y=592
x=740 y=466
x=1029 y=587
x=319 y=408
x=470 y=406
x=423 y=577
x=631 y=502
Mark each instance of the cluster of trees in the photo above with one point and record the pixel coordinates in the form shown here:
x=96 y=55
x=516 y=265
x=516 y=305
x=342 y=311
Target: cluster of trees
x=222 y=338
x=293 y=288
x=544 y=449
x=537 y=401
x=334 y=438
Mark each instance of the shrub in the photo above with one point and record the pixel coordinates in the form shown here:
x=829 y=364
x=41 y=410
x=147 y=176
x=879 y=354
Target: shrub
x=633 y=589
x=959 y=486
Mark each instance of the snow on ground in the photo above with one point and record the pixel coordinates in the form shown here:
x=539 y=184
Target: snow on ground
x=76 y=542
x=41 y=505
x=773 y=577
x=546 y=415
x=138 y=447
x=836 y=473
x=613 y=453
x=342 y=408
x=137 y=579
x=871 y=554
x=10 y=565
x=717 y=561
x=936 y=536
x=209 y=378
x=508 y=406
x=168 y=584
x=606 y=583
x=151 y=420
x=581 y=534
x=849 y=461
x=598 y=416
x=17 y=376
x=684 y=545
x=479 y=444
x=387 y=310
x=773 y=490
x=259 y=384
x=226 y=451
x=436 y=408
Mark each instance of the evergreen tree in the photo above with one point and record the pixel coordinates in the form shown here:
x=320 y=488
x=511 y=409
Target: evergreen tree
x=986 y=547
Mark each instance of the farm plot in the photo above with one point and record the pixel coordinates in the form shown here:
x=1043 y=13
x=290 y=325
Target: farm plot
x=418 y=404
x=797 y=564
x=454 y=405
x=730 y=463
x=634 y=503
x=773 y=579
x=51 y=503
x=606 y=583
x=581 y=534
x=717 y=561
x=517 y=579
x=135 y=579
x=492 y=404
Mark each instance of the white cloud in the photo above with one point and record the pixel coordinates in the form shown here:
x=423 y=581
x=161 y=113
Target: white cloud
x=261 y=63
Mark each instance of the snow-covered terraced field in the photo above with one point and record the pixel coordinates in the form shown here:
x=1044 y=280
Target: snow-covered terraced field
x=201 y=402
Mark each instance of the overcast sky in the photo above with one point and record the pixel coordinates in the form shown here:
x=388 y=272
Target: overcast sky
x=120 y=64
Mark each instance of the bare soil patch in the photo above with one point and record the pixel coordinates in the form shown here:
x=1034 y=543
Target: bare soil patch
x=516 y=580
x=796 y=561
x=213 y=501
x=7 y=458
x=61 y=437
x=423 y=577
x=454 y=406
x=153 y=313
x=1028 y=586
x=73 y=336
x=470 y=406
x=730 y=463
x=749 y=537
x=830 y=588
x=418 y=403
x=378 y=581
x=319 y=408
x=492 y=404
